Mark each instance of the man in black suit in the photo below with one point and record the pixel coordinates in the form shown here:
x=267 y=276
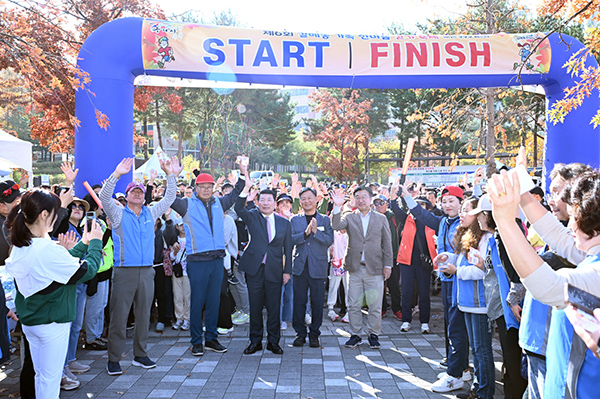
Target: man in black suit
x=267 y=262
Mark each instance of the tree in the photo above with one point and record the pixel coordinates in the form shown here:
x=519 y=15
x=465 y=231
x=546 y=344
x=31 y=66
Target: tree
x=39 y=41
x=342 y=130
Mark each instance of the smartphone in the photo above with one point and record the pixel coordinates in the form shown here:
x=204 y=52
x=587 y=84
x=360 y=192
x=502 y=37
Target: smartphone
x=59 y=189
x=581 y=299
x=90 y=218
x=242 y=160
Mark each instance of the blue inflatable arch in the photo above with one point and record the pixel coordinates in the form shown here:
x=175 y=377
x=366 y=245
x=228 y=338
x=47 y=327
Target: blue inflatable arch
x=119 y=51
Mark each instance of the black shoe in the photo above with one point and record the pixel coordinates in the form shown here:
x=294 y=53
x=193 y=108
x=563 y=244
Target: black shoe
x=215 y=346
x=468 y=395
x=96 y=345
x=114 y=368
x=275 y=348
x=231 y=278
x=144 y=362
x=299 y=341
x=253 y=348
x=374 y=341
x=313 y=341
x=444 y=362
x=353 y=342
x=198 y=350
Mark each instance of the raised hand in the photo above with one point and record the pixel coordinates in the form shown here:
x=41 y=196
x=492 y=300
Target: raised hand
x=505 y=195
x=123 y=167
x=522 y=157
x=294 y=177
x=338 y=198
x=252 y=195
x=176 y=166
x=69 y=173
x=24 y=178
x=243 y=168
x=232 y=178
x=219 y=181
x=67 y=240
x=153 y=176
x=478 y=176
x=275 y=180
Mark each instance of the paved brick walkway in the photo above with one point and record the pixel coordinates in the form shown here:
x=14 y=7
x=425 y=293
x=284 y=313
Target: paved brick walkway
x=404 y=367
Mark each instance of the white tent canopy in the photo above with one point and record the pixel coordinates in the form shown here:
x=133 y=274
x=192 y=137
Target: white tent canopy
x=143 y=172
x=16 y=151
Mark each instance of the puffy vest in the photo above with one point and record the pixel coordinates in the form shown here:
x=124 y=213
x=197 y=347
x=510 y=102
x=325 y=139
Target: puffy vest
x=503 y=284
x=446 y=233
x=199 y=237
x=535 y=324
x=572 y=371
x=469 y=293
x=134 y=239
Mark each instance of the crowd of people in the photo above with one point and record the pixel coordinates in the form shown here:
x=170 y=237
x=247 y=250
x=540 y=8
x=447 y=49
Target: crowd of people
x=213 y=254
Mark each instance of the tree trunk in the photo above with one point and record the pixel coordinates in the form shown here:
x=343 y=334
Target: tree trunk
x=490 y=142
x=145 y=134
x=158 y=125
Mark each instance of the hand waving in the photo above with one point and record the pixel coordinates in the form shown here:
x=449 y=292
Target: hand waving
x=69 y=173
x=123 y=167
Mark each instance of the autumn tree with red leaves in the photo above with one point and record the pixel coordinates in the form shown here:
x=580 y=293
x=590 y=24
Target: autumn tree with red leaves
x=344 y=132
x=39 y=41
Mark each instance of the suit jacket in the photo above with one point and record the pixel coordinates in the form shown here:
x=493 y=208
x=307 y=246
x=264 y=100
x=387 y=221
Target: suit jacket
x=376 y=245
x=314 y=248
x=279 y=250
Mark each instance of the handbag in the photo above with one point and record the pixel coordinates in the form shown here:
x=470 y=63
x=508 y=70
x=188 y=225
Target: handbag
x=167 y=263
x=178 y=267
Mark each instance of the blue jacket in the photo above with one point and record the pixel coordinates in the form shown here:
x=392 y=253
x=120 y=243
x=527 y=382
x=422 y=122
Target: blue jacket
x=311 y=250
x=504 y=285
x=200 y=236
x=535 y=325
x=470 y=294
x=134 y=239
x=444 y=226
x=573 y=371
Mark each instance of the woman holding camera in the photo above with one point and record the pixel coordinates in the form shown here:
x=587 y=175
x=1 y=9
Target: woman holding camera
x=46 y=276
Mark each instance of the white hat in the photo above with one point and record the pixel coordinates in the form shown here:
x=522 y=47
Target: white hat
x=485 y=204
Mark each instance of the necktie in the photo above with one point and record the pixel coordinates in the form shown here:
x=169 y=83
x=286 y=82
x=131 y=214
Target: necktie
x=268 y=234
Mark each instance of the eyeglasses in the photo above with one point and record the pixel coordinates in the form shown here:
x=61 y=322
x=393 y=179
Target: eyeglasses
x=378 y=203
x=10 y=190
x=206 y=188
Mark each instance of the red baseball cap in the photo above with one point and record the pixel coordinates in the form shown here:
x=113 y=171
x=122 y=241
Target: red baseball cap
x=453 y=190
x=204 y=178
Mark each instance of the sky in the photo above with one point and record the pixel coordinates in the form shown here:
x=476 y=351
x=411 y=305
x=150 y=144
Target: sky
x=326 y=16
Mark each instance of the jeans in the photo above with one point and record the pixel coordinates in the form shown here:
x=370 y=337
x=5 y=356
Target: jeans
x=94 y=312
x=206 y=278
x=76 y=324
x=287 y=300
x=480 y=338
x=537 y=376
x=458 y=341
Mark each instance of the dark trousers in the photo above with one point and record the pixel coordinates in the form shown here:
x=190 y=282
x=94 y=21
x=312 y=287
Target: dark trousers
x=458 y=339
x=225 y=307
x=262 y=294
x=27 y=379
x=514 y=384
x=410 y=274
x=206 y=279
x=393 y=285
x=302 y=284
x=163 y=295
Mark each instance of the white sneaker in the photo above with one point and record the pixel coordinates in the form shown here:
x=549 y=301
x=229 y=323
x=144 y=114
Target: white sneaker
x=178 y=324
x=185 y=326
x=425 y=328
x=466 y=376
x=77 y=367
x=243 y=318
x=447 y=384
x=308 y=319
x=284 y=325
x=405 y=326
x=224 y=331
x=236 y=314
x=345 y=319
x=332 y=315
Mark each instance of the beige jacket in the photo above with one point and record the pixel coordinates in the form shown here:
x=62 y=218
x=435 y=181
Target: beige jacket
x=376 y=245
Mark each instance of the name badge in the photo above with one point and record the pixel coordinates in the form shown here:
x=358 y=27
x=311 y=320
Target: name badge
x=322 y=228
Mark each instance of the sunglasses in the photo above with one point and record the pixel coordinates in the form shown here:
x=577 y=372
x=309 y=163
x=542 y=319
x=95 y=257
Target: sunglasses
x=78 y=206
x=10 y=190
x=378 y=203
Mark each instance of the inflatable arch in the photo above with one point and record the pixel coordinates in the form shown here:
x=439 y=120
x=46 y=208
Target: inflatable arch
x=120 y=50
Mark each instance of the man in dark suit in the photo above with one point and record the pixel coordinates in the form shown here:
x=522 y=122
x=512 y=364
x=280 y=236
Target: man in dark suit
x=267 y=262
x=312 y=236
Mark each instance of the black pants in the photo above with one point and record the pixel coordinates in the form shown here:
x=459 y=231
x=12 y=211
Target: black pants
x=163 y=295
x=225 y=306
x=410 y=274
x=262 y=293
x=27 y=379
x=514 y=383
x=302 y=284
x=393 y=285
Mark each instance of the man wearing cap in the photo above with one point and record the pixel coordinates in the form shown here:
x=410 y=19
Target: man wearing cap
x=380 y=202
x=133 y=274
x=312 y=236
x=202 y=216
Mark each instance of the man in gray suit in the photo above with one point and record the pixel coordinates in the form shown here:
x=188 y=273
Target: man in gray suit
x=312 y=236
x=368 y=261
